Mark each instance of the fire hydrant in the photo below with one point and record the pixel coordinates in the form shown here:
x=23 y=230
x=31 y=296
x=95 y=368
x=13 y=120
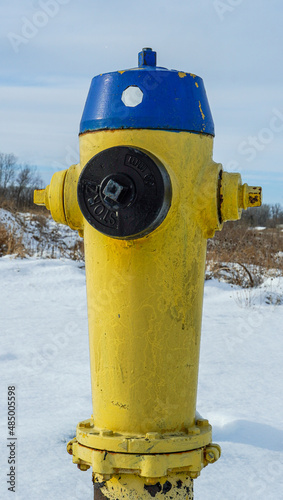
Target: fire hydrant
x=145 y=197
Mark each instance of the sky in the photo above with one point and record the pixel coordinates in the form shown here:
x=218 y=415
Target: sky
x=51 y=49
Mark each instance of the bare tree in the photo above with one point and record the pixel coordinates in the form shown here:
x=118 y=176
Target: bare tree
x=277 y=213
x=27 y=180
x=17 y=182
x=256 y=216
x=265 y=216
x=8 y=168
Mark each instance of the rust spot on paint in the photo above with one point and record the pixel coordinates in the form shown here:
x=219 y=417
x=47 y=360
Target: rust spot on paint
x=99 y=485
x=220 y=197
x=98 y=495
x=121 y=405
x=153 y=489
x=166 y=487
x=189 y=491
x=253 y=199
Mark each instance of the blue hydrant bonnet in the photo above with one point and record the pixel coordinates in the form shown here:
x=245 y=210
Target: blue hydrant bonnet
x=147 y=97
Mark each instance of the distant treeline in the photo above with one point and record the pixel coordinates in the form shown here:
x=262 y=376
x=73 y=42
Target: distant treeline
x=264 y=216
x=17 y=183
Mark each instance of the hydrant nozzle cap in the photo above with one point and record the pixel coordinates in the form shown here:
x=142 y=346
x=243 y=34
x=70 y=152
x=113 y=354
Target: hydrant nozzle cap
x=41 y=197
x=251 y=196
x=235 y=196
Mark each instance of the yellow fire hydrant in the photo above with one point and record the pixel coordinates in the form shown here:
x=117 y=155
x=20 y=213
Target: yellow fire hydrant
x=145 y=196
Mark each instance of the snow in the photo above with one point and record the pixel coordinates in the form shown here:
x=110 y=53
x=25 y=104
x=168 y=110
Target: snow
x=40 y=235
x=45 y=355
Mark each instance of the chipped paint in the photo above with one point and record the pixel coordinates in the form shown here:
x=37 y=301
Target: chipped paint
x=121 y=72
x=181 y=74
x=202 y=114
x=196 y=84
x=98 y=495
x=193 y=75
x=177 y=486
x=253 y=199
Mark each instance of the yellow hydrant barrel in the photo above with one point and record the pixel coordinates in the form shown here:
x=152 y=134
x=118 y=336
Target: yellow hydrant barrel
x=145 y=298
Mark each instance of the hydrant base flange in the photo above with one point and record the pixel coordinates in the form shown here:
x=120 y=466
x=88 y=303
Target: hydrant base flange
x=197 y=436
x=145 y=465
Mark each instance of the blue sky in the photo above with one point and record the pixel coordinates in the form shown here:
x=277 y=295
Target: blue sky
x=50 y=50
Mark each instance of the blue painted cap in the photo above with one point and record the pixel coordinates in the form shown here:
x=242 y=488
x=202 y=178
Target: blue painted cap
x=148 y=97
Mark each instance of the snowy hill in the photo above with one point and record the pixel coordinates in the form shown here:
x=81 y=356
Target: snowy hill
x=45 y=355
x=38 y=235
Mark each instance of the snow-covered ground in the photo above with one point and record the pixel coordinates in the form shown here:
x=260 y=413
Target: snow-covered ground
x=45 y=355
x=41 y=236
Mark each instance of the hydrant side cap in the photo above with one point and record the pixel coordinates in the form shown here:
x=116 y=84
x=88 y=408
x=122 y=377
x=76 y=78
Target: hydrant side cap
x=147 y=97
